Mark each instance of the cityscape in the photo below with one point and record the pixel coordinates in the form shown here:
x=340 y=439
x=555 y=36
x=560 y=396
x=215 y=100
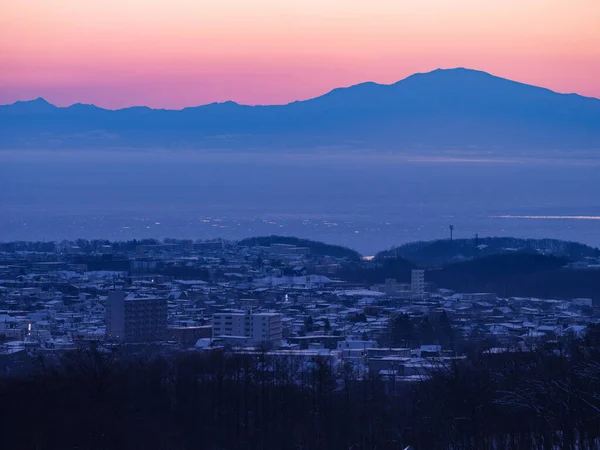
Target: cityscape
x=300 y=225
x=267 y=295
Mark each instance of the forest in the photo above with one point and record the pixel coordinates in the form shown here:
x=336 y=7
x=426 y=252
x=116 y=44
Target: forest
x=94 y=398
x=515 y=274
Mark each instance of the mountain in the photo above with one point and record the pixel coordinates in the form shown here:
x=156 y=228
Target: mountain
x=37 y=106
x=453 y=109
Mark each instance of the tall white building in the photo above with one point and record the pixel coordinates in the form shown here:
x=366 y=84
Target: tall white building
x=417 y=282
x=135 y=319
x=248 y=328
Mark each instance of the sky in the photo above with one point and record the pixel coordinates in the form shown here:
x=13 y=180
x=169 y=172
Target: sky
x=177 y=53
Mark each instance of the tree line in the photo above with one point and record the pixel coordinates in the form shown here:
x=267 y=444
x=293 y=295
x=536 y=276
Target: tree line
x=93 y=398
x=520 y=274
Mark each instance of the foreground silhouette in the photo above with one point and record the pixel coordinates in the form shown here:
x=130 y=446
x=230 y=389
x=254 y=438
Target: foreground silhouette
x=99 y=399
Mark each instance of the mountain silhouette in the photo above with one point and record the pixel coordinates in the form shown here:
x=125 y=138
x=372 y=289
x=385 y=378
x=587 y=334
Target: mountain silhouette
x=451 y=109
x=37 y=106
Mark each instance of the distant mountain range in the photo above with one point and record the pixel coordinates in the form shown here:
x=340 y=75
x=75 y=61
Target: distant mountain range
x=454 y=109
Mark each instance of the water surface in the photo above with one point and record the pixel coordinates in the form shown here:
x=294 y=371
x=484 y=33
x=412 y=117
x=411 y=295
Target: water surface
x=365 y=202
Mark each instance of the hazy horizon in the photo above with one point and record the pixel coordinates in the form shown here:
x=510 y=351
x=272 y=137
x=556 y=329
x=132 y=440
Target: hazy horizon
x=363 y=202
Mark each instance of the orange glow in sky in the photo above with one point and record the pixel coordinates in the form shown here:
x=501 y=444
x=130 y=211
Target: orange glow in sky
x=177 y=53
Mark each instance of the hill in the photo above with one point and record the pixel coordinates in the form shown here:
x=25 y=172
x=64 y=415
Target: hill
x=514 y=274
x=435 y=253
x=316 y=248
x=519 y=275
x=454 y=109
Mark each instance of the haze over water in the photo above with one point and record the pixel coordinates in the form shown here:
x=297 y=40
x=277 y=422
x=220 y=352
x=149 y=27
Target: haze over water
x=367 y=203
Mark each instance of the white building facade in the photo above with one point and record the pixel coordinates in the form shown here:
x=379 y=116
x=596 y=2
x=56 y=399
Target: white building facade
x=417 y=282
x=249 y=328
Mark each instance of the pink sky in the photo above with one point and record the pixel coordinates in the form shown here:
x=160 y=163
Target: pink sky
x=177 y=53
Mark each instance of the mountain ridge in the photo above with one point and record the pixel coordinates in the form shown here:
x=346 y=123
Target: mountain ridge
x=442 y=109
x=336 y=89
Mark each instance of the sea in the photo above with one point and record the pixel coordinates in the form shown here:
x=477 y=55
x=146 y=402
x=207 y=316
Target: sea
x=368 y=202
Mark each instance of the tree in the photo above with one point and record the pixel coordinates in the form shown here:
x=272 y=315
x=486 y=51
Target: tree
x=402 y=331
x=359 y=318
x=444 y=333
x=426 y=332
x=327 y=325
x=308 y=323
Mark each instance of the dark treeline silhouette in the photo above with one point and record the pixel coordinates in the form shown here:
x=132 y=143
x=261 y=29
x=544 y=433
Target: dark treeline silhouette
x=421 y=253
x=28 y=246
x=519 y=276
x=436 y=253
x=95 y=245
x=95 y=399
x=408 y=332
x=85 y=245
x=505 y=274
x=515 y=274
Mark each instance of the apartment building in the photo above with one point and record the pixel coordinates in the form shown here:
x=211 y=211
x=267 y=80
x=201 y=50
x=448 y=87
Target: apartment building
x=130 y=319
x=248 y=328
x=417 y=282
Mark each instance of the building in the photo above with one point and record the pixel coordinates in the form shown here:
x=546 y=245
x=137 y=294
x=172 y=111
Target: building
x=582 y=302
x=417 y=282
x=287 y=249
x=209 y=245
x=391 y=287
x=135 y=319
x=143 y=265
x=190 y=335
x=248 y=328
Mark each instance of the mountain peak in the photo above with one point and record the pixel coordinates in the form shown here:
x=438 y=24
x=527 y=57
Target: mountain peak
x=35 y=106
x=452 y=74
x=215 y=106
x=459 y=69
x=83 y=107
x=37 y=101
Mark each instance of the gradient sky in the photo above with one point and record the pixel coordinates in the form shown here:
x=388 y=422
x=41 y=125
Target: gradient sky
x=176 y=53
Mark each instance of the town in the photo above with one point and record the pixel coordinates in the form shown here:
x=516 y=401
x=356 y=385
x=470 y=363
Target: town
x=254 y=296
